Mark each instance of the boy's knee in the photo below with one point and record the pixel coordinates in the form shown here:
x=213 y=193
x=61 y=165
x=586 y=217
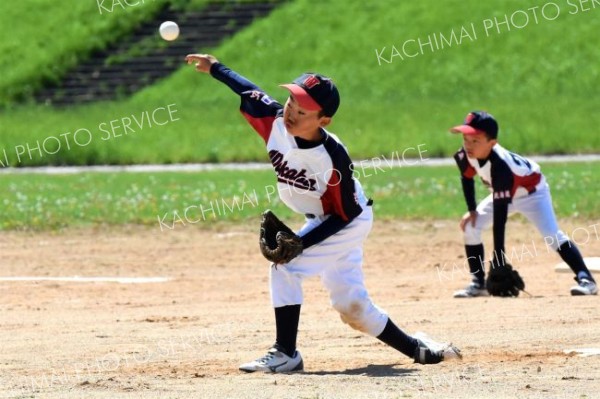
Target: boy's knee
x=555 y=241
x=472 y=235
x=285 y=287
x=353 y=315
x=360 y=314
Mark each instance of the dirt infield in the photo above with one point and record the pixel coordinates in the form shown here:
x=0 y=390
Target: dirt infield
x=185 y=338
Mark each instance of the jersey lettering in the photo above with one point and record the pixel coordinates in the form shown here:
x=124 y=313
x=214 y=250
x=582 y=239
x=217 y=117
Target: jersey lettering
x=519 y=160
x=502 y=194
x=286 y=174
x=267 y=100
x=259 y=95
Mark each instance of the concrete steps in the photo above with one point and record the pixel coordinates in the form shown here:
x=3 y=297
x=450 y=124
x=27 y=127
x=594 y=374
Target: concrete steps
x=143 y=58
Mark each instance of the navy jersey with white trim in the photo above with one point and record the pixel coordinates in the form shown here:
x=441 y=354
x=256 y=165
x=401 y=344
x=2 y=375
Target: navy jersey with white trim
x=314 y=178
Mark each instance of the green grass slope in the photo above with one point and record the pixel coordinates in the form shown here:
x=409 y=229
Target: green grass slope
x=539 y=80
x=46 y=38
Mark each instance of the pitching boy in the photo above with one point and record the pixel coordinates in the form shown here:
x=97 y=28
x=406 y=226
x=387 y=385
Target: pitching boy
x=517 y=185
x=315 y=179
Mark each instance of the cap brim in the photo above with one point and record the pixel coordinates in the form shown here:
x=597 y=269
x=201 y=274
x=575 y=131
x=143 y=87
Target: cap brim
x=304 y=99
x=466 y=129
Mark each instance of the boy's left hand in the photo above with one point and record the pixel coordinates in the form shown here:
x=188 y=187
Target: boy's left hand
x=469 y=217
x=203 y=61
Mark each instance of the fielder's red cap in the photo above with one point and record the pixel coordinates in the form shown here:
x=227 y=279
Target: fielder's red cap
x=478 y=122
x=315 y=92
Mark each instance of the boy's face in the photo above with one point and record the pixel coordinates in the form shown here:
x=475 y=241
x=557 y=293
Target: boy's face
x=478 y=145
x=301 y=122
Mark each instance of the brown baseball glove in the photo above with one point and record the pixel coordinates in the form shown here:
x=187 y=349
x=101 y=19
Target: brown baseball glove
x=278 y=243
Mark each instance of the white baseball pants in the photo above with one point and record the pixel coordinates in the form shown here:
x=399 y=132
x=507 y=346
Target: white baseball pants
x=338 y=261
x=536 y=207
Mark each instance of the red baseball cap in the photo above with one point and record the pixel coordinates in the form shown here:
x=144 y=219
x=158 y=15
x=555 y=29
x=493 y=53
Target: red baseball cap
x=315 y=92
x=478 y=122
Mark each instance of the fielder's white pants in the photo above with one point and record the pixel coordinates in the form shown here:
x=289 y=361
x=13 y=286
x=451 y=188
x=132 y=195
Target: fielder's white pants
x=536 y=207
x=338 y=261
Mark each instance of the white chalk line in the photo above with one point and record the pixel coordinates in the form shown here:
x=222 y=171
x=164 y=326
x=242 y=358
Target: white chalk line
x=584 y=352
x=79 y=279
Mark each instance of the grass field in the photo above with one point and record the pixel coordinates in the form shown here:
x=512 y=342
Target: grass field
x=42 y=202
x=545 y=101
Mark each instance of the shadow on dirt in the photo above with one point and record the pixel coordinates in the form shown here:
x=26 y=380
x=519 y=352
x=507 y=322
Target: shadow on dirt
x=372 y=370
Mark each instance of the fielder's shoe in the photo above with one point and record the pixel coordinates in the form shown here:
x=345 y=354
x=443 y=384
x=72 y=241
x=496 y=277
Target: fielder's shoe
x=275 y=362
x=473 y=290
x=584 y=287
x=432 y=352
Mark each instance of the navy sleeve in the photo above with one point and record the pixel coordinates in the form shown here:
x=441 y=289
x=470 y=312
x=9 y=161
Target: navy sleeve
x=233 y=80
x=468 y=186
x=502 y=180
x=257 y=107
x=329 y=227
x=502 y=183
x=500 y=217
x=467 y=172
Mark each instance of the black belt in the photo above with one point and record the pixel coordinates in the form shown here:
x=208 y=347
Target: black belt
x=311 y=216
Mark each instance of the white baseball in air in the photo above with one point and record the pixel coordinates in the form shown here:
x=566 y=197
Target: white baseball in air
x=169 y=30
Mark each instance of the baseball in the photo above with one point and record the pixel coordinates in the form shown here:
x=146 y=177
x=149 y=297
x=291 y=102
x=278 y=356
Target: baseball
x=169 y=30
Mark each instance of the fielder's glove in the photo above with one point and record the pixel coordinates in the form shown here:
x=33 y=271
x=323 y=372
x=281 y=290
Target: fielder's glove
x=278 y=243
x=503 y=281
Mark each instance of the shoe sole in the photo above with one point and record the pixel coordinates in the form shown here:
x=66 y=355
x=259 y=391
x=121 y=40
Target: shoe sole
x=449 y=351
x=299 y=367
x=452 y=352
x=579 y=293
x=461 y=295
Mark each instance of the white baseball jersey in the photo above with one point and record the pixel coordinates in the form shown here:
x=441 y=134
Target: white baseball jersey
x=311 y=180
x=506 y=174
x=314 y=178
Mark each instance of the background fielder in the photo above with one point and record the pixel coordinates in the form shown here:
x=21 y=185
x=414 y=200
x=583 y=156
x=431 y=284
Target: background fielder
x=314 y=178
x=517 y=185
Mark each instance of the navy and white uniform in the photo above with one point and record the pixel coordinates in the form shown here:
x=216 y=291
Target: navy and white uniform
x=517 y=185
x=316 y=180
